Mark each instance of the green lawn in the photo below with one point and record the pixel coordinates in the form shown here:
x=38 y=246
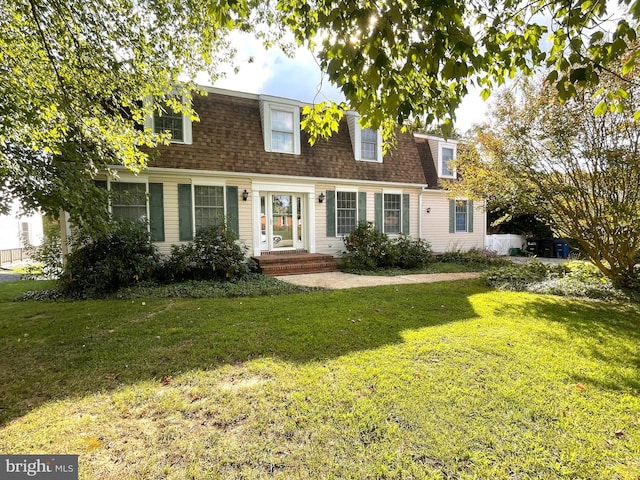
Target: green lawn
x=443 y=380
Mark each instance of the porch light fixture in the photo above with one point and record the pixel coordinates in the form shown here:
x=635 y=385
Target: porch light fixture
x=245 y=195
x=428 y=209
x=321 y=198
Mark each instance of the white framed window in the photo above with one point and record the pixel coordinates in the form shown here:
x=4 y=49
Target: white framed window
x=166 y=120
x=369 y=144
x=281 y=126
x=346 y=212
x=208 y=206
x=447 y=153
x=461 y=216
x=129 y=200
x=169 y=122
x=392 y=213
x=282 y=131
x=366 y=142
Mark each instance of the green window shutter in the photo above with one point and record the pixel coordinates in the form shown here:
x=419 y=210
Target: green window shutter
x=331 y=213
x=405 y=214
x=378 y=212
x=362 y=207
x=452 y=216
x=470 y=216
x=156 y=212
x=185 y=212
x=233 y=221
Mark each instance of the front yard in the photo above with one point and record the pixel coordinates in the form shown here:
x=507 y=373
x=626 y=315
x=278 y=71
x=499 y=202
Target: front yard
x=442 y=380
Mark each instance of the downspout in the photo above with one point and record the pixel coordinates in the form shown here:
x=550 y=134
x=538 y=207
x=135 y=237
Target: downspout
x=420 y=215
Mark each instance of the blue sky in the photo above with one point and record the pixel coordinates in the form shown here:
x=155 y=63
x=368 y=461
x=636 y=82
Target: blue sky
x=273 y=73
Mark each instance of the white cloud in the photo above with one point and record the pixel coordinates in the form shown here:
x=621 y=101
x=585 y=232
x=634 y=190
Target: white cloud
x=299 y=78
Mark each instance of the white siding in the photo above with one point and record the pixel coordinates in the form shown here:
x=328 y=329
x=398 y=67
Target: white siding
x=171 y=215
x=435 y=224
x=11 y=229
x=334 y=245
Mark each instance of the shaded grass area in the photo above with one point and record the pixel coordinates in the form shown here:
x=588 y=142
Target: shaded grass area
x=253 y=285
x=435 y=267
x=443 y=380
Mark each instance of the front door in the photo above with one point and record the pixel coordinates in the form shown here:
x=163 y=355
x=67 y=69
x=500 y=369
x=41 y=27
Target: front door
x=281 y=221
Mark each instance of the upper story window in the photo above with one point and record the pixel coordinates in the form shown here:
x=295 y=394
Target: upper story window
x=447 y=155
x=282 y=131
x=280 y=125
x=366 y=142
x=369 y=144
x=169 y=122
x=166 y=120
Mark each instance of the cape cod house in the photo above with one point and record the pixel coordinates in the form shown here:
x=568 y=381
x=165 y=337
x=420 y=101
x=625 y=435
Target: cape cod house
x=248 y=161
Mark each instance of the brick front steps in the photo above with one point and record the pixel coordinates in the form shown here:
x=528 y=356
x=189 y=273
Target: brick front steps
x=294 y=262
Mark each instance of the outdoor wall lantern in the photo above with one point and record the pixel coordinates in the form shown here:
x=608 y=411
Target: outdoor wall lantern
x=321 y=198
x=245 y=195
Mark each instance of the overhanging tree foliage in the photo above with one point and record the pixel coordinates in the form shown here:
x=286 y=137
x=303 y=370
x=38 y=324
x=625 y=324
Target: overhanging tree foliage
x=76 y=79
x=76 y=73
x=574 y=169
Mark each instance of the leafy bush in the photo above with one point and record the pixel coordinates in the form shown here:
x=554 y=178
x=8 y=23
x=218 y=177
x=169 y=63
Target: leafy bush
x=517 y=277
x=53 y=295
x=252 y=285
x=412 y=253
x=116 y=259
x=367 y=248
x=568 y=286
x=572 y=279
x=214 y=253
x=48 y=255
x=475 y=256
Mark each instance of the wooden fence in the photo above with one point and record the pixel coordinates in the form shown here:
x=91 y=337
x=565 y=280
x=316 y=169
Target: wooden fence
x=12 y=255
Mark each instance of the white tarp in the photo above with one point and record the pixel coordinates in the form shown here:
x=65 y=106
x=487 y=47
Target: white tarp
x=502 y=243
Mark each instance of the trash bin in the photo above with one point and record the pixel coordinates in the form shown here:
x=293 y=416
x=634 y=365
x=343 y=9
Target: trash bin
x=546 y=248
x=533 y=245
x=561 y=248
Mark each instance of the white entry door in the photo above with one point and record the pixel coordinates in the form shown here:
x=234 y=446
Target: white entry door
x=281 y=221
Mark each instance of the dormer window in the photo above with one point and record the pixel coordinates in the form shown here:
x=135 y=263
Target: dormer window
x=280 y=125
x=369 y=145
x=282 y=131
x=447 y=155
x=366 y=142
x=166 y=120
x=169 y=122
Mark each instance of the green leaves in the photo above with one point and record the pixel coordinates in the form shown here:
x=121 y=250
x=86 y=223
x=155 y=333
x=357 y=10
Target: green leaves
x=322 y=120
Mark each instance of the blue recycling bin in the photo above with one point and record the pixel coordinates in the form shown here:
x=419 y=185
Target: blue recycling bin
x=561 y=249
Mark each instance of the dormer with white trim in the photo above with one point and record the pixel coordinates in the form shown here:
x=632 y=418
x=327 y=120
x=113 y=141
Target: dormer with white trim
x=280 y=124
x=176 y=123
x=366 y=143
x=445 y=152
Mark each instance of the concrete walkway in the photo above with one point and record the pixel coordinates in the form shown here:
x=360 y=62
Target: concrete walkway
x=338 y=280
x=8 y=275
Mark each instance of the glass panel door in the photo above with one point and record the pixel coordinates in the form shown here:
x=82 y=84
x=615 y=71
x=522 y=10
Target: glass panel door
x=264 y=228
x=282 y=221
x=299 y=243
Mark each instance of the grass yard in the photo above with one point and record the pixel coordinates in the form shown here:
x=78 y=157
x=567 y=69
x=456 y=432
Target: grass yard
x=435 y=381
